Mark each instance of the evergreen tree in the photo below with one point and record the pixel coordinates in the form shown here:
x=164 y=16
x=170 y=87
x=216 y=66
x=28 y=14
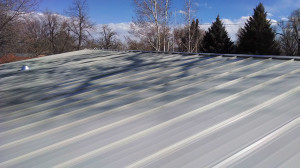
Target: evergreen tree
x=216 y=39
x=257 y=37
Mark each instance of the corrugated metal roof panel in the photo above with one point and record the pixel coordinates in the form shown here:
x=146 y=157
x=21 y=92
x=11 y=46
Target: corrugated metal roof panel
x=136 y=109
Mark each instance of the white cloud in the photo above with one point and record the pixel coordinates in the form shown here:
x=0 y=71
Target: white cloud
x=283 y=5
x=182 y=12
x=274 y=22
x=39 y=16
x=270 y=14
x=284 y=19
x=232 y=26
x=205 y=5
x=121 y=29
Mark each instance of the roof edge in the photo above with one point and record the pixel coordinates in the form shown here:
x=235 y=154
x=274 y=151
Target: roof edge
x=296 y=58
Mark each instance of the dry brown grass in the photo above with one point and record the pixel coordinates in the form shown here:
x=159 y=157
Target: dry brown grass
x=12 y=58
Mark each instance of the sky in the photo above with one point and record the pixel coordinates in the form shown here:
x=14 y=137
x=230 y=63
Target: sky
x=117 y=13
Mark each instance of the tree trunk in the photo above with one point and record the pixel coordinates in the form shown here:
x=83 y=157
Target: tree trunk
x=298 y=54
x=80 y=36
x=166 y=24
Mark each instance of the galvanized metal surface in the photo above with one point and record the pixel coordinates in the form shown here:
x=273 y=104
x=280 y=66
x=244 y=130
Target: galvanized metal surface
x=134 y=109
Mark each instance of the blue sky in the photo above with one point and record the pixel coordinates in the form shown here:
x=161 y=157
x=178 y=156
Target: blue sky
x=117 y=11
x=234 y=13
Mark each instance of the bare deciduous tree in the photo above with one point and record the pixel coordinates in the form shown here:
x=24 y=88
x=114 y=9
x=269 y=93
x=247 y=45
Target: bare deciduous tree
x=10 y=12
x=34 y=37
x=290 y=34
x=287 y=42
x=295 y=19
x=51 y=26
x=151 y=22
x=166 y=32
x=58 y=32
x=45 y=34
x=134 y=44
x=80 y=23
x=108 y=38
x=189 y=12
x=65 y=40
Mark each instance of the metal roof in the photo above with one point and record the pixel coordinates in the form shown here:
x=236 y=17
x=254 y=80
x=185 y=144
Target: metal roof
x=94 y=108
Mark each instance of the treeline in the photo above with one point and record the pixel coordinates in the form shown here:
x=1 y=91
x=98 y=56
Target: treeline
x=258 y=36
x=49 y=33
x=152 y=28
x=24 y=31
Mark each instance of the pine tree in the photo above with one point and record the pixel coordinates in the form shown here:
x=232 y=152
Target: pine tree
x=216 y=39
x=257 y=37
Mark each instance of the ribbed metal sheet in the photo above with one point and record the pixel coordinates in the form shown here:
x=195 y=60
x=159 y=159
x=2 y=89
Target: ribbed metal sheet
x=94 y=108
